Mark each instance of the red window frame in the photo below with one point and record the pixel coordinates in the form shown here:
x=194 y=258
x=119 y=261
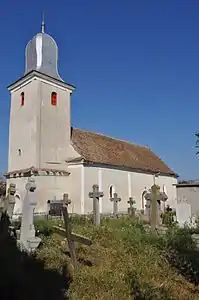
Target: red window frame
x=22 y=99
x=54 y=99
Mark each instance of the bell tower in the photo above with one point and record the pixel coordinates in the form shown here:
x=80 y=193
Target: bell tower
x=40 y=122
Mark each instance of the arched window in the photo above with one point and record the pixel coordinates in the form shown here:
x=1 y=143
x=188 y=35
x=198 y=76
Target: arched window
x=164 y=189
x=54 y=98
x=22 y=99
x=143 y=200
x=111 y=191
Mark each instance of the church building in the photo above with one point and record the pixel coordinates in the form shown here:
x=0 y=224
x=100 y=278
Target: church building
x=63 y=159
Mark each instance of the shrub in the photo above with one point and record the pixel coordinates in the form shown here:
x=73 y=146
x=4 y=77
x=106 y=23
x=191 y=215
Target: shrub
x=168 y=217
x=43 y=227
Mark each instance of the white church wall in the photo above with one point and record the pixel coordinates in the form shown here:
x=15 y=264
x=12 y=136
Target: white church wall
x=76 y=188
x=90 y=178
x=126 y=184
x=48 y=188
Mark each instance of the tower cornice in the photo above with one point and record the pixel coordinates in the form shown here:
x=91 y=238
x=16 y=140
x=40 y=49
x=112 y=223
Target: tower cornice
x=35 y=75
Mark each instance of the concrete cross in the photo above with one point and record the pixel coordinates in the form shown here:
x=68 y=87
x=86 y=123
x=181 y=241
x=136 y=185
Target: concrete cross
x=10 y=200
x=155 y=212
x=95 y=195
x=66 y=200
x=28 y=240
x=131 y=209
x=115 y=200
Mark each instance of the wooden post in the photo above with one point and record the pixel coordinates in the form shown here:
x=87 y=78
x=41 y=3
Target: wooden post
x=115 y=200
x=68 y=229
x=95 y=195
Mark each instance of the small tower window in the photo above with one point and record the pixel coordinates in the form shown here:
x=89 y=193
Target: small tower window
x=54 y=98
x=22 y=99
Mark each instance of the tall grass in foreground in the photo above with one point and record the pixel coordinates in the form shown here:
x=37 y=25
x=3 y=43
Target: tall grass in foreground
x=127 y=261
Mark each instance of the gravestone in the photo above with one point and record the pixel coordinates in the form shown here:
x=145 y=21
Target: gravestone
x=8 y=203
x=183 y=214
x=28 y=241
x=71 y=237
x=55 y=208
x=11 y=199
x=95 y=195
x=115 y=201
x=131 y=209
x=153 y=205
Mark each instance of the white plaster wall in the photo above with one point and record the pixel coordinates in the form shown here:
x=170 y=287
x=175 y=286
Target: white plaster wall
x=54 y=122
x=191 y=195
x=90 y=178
x=23 y=128
x=127 y=184
x=80 y=181
x=76 y=189
x=48 y=187
x=39 y=129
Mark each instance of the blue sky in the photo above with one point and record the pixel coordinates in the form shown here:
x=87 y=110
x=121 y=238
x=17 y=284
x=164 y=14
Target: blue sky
x=135 y=65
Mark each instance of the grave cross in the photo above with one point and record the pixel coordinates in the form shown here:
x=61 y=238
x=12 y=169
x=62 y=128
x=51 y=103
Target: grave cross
x=95 y=195
x=10 y=200
x=115 y=200
x=71 y=237
x=28 y=240
x=66 y=200
x=131 y=209
x=68 y=229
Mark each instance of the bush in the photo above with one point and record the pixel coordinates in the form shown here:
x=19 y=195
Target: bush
x=43 y=227
x=168 y=217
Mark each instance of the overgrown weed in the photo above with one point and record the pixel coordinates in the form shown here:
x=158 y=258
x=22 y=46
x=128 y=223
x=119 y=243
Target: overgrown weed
x=128 y=261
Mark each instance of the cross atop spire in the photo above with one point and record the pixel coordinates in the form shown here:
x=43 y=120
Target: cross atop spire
x=43 y=23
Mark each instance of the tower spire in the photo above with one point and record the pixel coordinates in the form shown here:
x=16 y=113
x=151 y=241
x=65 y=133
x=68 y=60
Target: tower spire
x=43 y=23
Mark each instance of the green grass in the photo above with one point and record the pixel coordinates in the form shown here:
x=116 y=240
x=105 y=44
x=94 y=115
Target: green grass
x=126 y=261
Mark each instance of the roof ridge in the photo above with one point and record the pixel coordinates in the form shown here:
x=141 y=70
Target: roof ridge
x=111 y=137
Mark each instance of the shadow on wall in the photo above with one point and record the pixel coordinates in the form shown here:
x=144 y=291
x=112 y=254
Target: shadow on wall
x=23 y=276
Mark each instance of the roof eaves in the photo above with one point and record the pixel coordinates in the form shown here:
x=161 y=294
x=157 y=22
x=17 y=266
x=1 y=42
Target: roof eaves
x=88 y=162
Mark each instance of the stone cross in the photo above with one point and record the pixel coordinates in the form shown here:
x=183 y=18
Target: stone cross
x=131 y=210
x=95 y=195
x=154 y=207
x=10 y=200
x=28 y=241
x=115 y=200
x=154 y=198
x=66 y=200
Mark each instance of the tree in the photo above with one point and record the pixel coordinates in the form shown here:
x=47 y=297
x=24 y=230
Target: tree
x=2 y=188
x=197 y=141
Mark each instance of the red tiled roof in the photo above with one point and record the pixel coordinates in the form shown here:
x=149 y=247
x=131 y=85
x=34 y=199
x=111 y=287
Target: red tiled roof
x=98 y=148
